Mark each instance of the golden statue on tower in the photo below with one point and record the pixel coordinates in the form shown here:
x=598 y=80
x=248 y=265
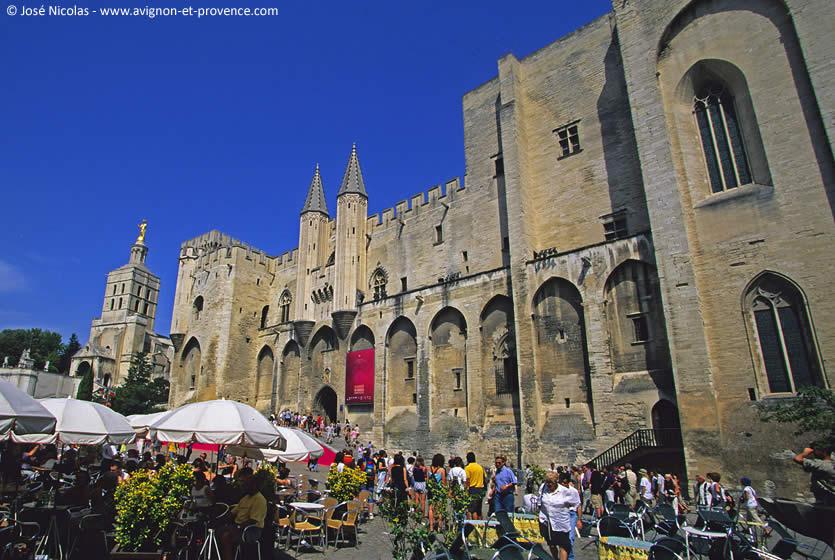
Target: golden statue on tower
x=143 y=225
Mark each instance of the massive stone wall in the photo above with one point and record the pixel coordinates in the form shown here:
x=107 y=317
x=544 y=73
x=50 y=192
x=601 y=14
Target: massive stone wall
x=555 y=302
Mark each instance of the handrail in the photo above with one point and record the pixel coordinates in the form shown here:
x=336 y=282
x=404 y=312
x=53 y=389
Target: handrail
x=646 y=438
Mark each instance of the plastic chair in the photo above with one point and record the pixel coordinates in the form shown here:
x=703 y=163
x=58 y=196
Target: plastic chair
x=91 y=539
x=251 y=536
x=303 y=527
x=661 y=552
x=611 y=526
x=350 y=521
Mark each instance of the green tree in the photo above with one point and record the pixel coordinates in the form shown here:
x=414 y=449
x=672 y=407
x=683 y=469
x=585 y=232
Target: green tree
x=85 y=388
x=812 y=412
x=140 y=394
x=70 y=349
x=44 y=345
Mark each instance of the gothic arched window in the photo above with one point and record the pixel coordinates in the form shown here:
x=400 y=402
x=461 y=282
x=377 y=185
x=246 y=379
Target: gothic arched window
x=265 y=315
x=379 y=279
x=284 y=306
x=784 y=337
x=721 y=135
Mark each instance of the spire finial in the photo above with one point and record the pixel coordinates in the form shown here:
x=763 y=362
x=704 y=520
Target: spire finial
x=352 y=181
x=315 y=201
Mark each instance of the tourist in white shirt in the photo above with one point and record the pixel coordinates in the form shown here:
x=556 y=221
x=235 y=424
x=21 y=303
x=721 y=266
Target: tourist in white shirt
x=748 y=506
x=557 y=499
x=645 y=487
x=457 y=472
x=659 y=487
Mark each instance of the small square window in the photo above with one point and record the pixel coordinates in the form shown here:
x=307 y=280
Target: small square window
x=439 y=234
x=404 y=284
x=569 y=138
x=640 y=328
x=615 y=229
x=192 y=382
x=464 y=254
x=410 y=368
x=414 y=398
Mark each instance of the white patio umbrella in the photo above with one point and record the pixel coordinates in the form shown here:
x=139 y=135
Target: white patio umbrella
x=87 y=423
x=299 y=447
x=219 y=422
x=20 y=414
x=141 y=423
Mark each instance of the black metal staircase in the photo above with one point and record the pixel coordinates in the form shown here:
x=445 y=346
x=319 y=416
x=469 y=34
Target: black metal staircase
x=637 y=441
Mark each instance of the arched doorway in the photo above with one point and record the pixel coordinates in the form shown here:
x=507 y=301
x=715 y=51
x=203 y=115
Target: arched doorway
x=665 y=416
x=325 y=403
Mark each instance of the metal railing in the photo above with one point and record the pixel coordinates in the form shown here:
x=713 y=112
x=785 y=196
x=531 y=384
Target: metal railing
x=639 y=439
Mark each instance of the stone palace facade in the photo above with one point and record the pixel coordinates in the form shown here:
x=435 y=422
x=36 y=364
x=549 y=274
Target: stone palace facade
x=644 y=238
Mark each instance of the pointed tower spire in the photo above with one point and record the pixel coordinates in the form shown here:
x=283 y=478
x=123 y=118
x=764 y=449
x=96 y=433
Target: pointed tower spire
x=315 y=201
x=352 y=181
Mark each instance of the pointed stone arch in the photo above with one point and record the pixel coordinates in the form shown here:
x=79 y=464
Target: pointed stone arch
x=635 y=318
x=362 y=338
x=560 y=347
x=448 y=365
x=264 y=378
x=191 y=364
x=401 y=384
x=498 y=348
x=323 y=352
x=288 y=381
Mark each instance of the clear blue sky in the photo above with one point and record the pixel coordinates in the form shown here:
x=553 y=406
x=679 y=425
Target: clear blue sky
x=218 y=123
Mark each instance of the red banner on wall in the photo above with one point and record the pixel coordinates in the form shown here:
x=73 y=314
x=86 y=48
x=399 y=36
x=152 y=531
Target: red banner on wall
x=359 y=377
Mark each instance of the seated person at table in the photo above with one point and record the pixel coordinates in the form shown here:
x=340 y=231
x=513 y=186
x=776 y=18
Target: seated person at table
x=250 y=510
x=147 y=462
x=201 y=494
x=160 y=461
x=283 y=478
x=29 y=457
x=228 y=468
x=11 y=463
x=102 y=499
x=224 y=493
x=132 y=462
x=78 y=494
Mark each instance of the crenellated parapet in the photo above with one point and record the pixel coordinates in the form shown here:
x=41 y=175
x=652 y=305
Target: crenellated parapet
x=447 y=195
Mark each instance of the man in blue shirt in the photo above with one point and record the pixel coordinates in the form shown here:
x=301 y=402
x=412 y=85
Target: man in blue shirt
x=505 y=482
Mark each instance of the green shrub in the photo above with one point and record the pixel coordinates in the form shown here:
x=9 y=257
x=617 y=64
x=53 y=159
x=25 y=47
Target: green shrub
x=147 y=503
x=345 y=485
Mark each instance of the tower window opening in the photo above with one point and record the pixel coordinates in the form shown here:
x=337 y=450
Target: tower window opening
x=568 y=137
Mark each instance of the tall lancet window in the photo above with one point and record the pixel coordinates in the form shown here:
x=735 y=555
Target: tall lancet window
x=784 y=336
x=722 y=142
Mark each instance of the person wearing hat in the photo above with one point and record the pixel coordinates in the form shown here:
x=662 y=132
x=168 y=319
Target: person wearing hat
x=646 y=488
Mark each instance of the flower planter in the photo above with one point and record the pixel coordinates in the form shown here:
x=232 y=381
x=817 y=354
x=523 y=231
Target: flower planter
x=118 y=554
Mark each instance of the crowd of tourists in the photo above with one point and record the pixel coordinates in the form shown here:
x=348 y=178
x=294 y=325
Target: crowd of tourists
x=318 y=426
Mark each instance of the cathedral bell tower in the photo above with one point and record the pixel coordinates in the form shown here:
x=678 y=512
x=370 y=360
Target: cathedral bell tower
x=313 y=238
x=351 y=218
